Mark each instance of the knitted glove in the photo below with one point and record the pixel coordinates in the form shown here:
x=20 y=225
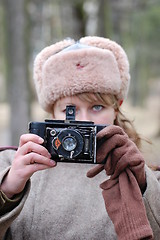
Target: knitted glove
x=121 y=193
x=119 y=153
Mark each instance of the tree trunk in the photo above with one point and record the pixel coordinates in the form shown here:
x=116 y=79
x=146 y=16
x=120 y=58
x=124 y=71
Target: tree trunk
x=104 y=19
x=72 y=19
x=18 y=93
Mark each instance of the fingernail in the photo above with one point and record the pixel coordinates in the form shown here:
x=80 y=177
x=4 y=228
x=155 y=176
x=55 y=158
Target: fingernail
x=40 y=140
x=53 y=163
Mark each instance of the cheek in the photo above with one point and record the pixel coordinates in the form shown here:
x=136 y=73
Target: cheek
x=57 y=115
x=111 y=118
x=106 y=117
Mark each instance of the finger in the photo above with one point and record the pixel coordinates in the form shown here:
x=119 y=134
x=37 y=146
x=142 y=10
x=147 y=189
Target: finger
x=31 y=163
x=32 y=158
x=109 y=131
x=33 y=147
x=39 y=163
x=38 y=167
x=114 y=142
x=94 y=171
x=30 y=137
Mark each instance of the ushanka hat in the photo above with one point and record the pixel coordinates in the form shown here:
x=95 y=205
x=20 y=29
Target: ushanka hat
x=92 y=64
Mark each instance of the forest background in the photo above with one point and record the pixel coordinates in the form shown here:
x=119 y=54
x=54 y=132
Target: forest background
x=27 y=26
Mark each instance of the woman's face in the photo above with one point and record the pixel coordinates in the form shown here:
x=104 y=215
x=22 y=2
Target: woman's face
x=94 y=111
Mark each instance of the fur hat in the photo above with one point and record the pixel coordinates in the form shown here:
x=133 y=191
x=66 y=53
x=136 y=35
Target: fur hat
x=93 y=64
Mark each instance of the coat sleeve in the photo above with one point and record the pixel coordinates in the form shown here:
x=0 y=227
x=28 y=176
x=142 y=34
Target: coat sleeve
x=9 y=208
x=151 y=199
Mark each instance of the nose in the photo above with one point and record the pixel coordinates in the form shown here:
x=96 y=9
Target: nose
x=83 y=116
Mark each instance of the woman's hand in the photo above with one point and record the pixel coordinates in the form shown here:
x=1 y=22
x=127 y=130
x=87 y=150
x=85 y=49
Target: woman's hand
x=121 y=192
x=30 y=157
x=119 y=153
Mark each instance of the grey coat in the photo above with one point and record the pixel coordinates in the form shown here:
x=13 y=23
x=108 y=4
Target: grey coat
x=62 y=203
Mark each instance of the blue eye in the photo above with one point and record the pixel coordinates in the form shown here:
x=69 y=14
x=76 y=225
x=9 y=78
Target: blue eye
x=97 y=108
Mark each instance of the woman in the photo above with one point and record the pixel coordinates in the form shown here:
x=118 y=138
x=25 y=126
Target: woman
x=61 y=202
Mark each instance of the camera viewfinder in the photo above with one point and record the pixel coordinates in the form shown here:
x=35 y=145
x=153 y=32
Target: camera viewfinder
x=70 y=112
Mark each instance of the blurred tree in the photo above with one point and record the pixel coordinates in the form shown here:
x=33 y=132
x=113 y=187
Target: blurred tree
x=37 y=14
x=144 y=34
x=2 y=68
x=104 y=19
x=16 y=59
x=72 y=18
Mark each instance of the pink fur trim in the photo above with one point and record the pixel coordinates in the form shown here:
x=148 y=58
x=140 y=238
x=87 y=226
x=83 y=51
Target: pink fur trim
x=101 y=68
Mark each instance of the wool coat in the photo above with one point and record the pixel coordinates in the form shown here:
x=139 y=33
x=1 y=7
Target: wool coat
x=62 y=203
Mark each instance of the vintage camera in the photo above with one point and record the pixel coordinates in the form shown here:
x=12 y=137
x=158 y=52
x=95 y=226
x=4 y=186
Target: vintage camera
x=69 y=140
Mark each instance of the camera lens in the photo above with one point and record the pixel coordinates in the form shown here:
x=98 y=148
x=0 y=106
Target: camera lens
x=69 y=143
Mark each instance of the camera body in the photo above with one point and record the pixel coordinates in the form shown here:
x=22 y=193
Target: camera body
x=69 y=140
